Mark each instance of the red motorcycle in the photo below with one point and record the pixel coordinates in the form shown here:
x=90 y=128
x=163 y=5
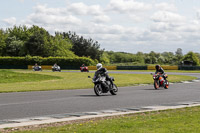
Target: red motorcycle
x=159 y=81
x=84 y=69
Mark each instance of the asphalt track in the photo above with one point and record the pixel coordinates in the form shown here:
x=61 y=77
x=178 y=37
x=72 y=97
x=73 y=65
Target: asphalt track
x=51 y=103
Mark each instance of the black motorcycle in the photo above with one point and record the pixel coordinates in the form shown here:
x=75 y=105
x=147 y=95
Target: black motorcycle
x=101 y=85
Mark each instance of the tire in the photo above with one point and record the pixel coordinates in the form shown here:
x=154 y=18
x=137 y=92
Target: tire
x=114 y=90
x=156 y=85
x=98 y=89
x=166 y=84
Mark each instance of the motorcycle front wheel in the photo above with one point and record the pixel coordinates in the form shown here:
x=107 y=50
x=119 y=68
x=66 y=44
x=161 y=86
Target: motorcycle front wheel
x=156 y=85
x=114 y=90
x=166 y=84
x=98 y=89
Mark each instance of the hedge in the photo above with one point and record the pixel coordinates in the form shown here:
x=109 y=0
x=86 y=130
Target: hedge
x=131 y=67
x=107 y=67
x=62 y=61
x=188 y=67
x=164 y=67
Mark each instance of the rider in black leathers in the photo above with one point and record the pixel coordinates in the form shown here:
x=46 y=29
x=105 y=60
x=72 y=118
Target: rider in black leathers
x=103 y=71
x=160 y=70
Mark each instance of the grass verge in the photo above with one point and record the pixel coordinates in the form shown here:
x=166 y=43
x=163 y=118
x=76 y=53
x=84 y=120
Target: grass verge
x=175 y=71
x=7 y=76
x=73 y=80
x=185 y=120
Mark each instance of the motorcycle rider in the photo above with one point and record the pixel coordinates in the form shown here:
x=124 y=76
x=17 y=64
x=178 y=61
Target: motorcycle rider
x=55 y=65
x=103 y=71
x=160 y=70
x=36 y=67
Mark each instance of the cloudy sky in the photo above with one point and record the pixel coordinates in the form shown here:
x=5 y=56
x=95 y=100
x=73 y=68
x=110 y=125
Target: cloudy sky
x=118 y=25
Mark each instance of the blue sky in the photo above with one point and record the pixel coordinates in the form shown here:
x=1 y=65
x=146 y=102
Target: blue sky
x=118 y=25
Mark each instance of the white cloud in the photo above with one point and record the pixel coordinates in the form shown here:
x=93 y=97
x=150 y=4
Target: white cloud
x=128 y=6
x=22 y=1
x=101 y=19
x=198 y=14
x=136 y=18
x=165 y=21
x=43 y=9
x=121 y=25
x=133 y=10
x=166 y=7
x=83 y=9
x=170 y=17
x=51 y=16
x=53 y=19
x=10 y=21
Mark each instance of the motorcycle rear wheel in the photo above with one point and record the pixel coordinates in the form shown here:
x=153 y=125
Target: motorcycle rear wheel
x=114 y=90
x=98 y=89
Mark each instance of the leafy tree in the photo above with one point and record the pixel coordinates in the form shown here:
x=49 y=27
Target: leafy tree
x=17 y=36
x=41 y=43
x=14 y=47
x=3 y=37
x=179 y=55
x=179 y=52
x=190 y=56
x=105 y=58
x=152 y=58
x=37 y=44
x=84 y=47
x=169 y=57
x=123 y=57
x=140 y=57
x=61 y=46
x=198 y=55
x=20 y=32
x=161 y=59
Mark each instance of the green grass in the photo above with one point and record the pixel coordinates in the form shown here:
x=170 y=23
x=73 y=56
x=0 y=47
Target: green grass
x=176 y=71
x=135 y=79
x=185 y=120
x=7 y=76
x=184 y=71
x=48 y=80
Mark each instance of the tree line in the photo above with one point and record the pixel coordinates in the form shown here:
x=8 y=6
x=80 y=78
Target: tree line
x=165 y=58
x=36 y=41
x=21 y=41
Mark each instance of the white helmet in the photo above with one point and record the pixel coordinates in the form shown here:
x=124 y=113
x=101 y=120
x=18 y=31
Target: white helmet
x=99 y=66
